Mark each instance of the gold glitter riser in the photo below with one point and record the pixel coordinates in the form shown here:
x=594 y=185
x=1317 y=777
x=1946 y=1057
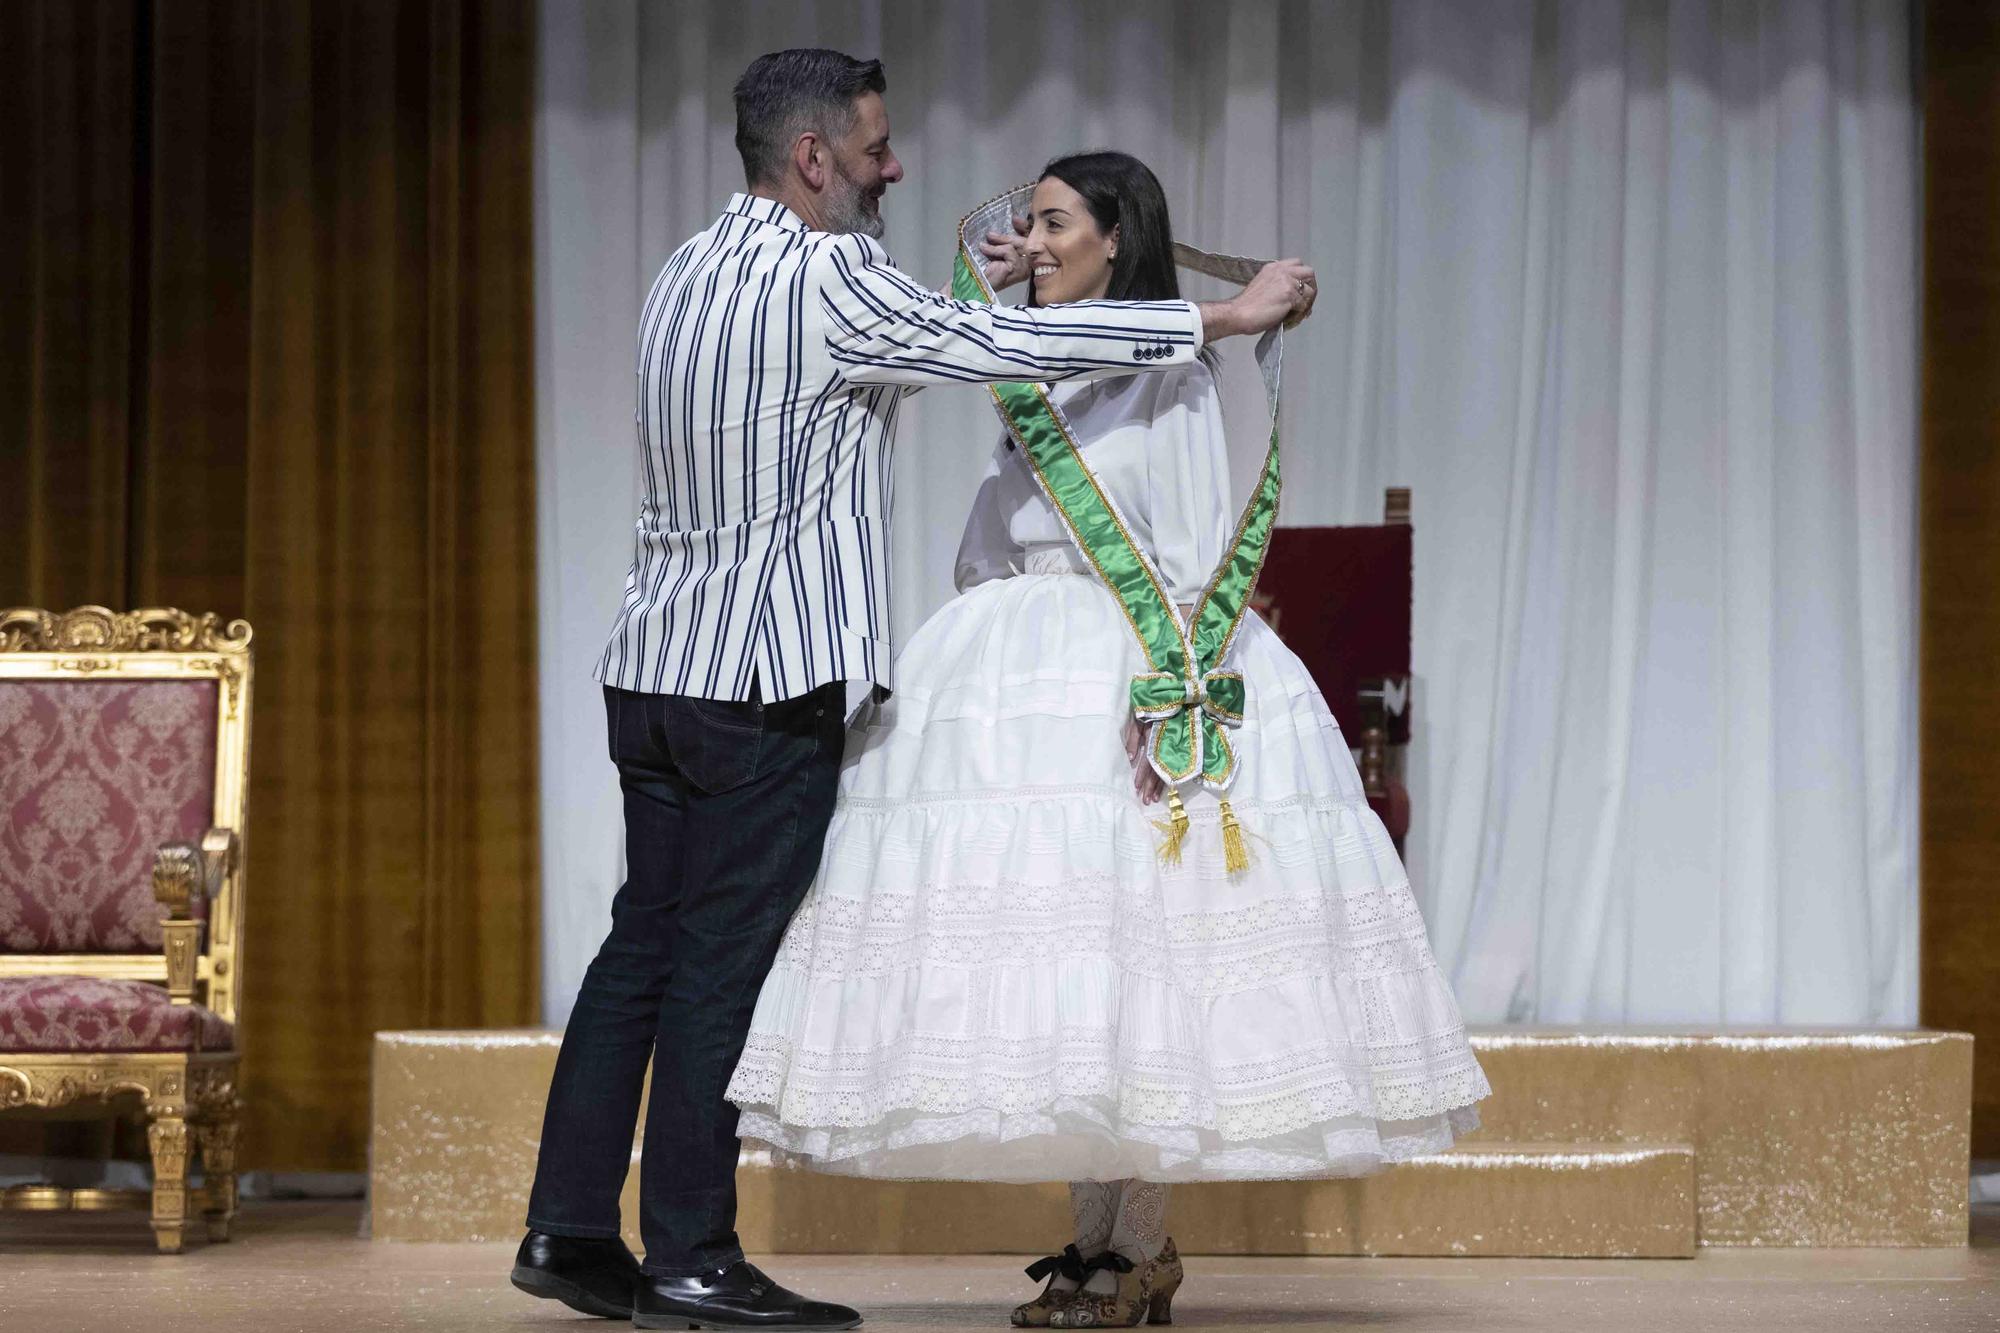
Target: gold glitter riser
x=1627 y=1143
x=1800 y=1137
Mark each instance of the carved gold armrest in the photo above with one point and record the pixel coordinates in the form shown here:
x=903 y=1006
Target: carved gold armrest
x=183 y=877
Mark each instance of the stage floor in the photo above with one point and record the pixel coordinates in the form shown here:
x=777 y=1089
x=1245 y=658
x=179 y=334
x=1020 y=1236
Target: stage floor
x=300 y=1266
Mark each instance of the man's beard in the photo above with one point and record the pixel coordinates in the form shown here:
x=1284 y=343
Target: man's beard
x=849 y=208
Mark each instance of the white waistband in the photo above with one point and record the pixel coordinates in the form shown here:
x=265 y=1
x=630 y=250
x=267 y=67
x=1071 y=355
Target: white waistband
x=1053 y=559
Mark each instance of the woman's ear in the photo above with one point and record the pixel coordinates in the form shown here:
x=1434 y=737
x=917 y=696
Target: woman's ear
x=1112 y=252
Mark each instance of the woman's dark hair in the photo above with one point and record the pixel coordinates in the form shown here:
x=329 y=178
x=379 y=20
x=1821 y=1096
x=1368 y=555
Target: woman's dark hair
x=1122 y=192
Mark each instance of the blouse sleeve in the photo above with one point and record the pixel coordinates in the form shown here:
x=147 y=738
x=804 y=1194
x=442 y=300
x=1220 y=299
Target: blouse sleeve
x=1187 y=481
x=987 y=550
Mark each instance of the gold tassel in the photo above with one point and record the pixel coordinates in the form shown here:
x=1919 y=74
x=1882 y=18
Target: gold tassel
x=1175 y=828
x=1235 y=851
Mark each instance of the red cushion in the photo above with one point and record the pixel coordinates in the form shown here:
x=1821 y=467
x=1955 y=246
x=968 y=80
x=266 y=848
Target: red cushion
x=49 y=1014
x=94 y=776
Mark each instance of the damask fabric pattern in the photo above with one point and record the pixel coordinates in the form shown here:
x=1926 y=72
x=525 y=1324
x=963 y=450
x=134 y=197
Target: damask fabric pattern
x=94 y=776
x=44 y=1014
x=994 y=977
x=1093 y=1206
x=1141 y=1231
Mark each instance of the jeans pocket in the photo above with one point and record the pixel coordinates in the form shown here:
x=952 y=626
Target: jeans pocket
x=727 y=714
x=716 y=744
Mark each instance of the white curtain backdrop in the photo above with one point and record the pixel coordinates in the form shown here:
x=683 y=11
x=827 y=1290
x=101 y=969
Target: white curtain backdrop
x=1624 y=291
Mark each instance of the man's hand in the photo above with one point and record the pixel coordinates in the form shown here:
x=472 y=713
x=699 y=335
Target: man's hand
x=1283 y=292
x=1006 y=256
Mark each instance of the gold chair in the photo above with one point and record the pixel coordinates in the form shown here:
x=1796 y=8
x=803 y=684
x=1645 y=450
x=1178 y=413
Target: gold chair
x=124 y=750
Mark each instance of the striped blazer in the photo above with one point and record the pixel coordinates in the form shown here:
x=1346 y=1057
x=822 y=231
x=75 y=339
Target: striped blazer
x=772 y=361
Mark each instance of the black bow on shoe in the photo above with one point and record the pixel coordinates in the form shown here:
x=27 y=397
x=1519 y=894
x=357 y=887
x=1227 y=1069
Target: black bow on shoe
x=1069 y=1263
x=1110 y=1259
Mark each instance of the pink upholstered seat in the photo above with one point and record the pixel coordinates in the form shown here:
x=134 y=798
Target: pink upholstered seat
x=94 y=777
x=83 y=1014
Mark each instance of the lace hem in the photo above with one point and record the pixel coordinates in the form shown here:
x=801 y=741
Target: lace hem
x=1076 y=1139
x=1160 y=1090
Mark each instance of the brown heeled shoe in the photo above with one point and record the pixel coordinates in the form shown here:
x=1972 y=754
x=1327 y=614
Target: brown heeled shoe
x=1167 y=1275
x=1145 y=1292
x=1036 y=1313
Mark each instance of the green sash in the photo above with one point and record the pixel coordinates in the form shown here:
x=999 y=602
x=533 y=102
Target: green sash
x=1187 y=698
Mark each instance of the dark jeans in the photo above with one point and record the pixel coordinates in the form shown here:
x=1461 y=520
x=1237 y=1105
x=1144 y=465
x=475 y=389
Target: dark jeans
x=726 y=805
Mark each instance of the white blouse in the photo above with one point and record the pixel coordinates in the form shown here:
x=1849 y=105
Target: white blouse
x=1155 y=442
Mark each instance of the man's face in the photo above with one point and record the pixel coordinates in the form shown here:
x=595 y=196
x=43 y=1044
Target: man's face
x=863 y=167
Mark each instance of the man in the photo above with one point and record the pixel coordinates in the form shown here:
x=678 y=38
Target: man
x=774 y=351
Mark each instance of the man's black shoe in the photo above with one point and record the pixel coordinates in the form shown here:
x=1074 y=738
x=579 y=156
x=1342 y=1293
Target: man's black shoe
x=589 y=1276
x=734 y=1297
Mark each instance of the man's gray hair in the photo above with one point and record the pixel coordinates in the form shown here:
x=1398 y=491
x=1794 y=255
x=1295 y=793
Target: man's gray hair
x=786 y=93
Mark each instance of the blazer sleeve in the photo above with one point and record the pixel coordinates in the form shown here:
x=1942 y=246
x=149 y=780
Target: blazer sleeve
x=884 y=328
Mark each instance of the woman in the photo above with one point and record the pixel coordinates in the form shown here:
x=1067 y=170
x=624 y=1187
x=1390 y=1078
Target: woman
x=998 y=975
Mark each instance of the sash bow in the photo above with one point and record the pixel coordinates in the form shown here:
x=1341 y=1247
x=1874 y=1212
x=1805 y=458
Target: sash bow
x=1188 y=714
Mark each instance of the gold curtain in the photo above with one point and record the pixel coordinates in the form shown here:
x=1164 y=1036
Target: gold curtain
x=1959 y=523
x=267 y=351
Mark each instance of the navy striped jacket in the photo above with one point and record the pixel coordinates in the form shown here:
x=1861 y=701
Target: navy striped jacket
x=772 y=361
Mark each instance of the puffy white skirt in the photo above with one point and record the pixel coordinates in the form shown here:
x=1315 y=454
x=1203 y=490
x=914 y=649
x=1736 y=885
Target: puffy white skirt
x=994 y=977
